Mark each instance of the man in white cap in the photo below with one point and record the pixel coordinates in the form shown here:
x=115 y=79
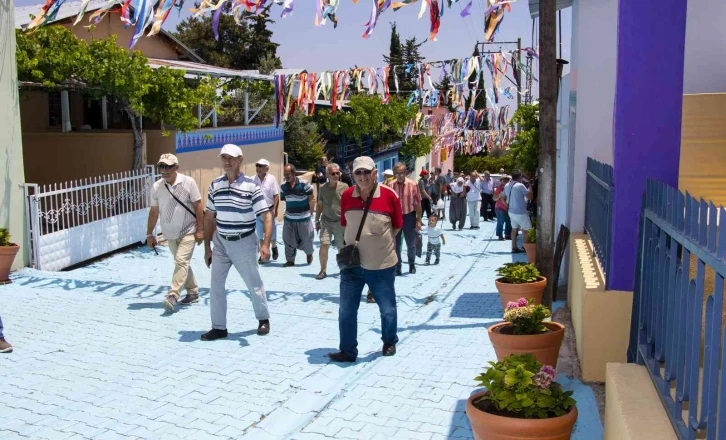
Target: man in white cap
x=233 y=203
x=176 y=200
x=387 y=177
x=271 y=190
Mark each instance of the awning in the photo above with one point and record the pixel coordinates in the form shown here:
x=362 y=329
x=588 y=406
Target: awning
x=195 y=69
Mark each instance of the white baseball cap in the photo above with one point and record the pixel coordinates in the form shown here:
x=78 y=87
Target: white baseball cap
x=231 y=150
x=168 y=159
x=388 y=173
x=263 y=162
x=363 y=163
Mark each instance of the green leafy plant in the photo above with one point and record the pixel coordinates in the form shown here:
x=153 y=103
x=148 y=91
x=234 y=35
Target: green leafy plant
x=417 y=146
x=518 y=273
x=519 y=386
x=526 y=317
x=531 y=236
x=4 y=237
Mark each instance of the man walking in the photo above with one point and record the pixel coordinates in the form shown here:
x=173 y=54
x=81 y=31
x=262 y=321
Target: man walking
x=516 y=196
x=176 y=199
x=473 y=197
x=487 y=197
x=423 y=185
x=233 y=202
x=297 y=231
x=5 y=346
x=320 y=172
x=438 y=188
x=327 y=216
x=410 y=199
x=271 y=189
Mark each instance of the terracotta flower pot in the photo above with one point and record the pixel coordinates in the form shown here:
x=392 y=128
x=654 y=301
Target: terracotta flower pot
x=545 y=346
x=512 y=292
x=7 y=255
x=531 y=249
x=491 y=427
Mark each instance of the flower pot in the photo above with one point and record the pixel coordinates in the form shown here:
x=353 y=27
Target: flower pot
x=492 y=427
x=531 y=249
x=512 y=292
x=544 y=346
x=7 y=255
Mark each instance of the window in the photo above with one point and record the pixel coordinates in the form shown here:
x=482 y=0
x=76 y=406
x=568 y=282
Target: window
x=55 y=113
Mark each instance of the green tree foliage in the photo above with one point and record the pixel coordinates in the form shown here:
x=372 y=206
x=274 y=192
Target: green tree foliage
x=101 y=67
x=412 y=58
x=525 y=148
x=482 y=162
x=394 y=57
x=303 y=143
x=417 y=146
x=443 y=87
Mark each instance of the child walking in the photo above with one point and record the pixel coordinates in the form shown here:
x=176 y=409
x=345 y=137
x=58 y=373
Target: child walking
x=436 y=239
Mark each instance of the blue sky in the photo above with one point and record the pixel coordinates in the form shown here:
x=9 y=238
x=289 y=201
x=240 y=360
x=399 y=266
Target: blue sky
x=305 y=46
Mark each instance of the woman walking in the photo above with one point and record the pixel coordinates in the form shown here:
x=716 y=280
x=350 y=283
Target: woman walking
x=457 y=206
x=504 y=225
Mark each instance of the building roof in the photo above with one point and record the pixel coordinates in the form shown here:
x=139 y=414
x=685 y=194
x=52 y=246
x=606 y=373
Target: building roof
x=534 y=6
x=194 y=69
x=71 y=9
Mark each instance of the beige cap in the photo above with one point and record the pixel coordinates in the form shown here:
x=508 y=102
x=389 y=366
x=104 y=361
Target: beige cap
x=363 y=163
x=168 y=159
x=388 y=173
x=263 y=162
x=231 y=150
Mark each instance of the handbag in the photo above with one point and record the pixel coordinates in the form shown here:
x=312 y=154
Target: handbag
x=349 y=256
x=179 y=201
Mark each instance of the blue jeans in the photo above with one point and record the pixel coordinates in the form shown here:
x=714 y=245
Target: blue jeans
x=502 y=220
x=1 y=328
x=381 y=283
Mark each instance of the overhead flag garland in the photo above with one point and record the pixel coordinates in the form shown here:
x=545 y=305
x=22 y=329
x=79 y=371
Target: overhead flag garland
x=150 y=15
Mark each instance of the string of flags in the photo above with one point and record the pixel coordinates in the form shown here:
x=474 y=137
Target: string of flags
x=302 y=90
x=150 y=15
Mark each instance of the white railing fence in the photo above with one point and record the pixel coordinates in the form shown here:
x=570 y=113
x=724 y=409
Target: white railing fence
x=71 y=222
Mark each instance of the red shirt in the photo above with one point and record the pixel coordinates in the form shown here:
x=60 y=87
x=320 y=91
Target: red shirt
x=500 y=203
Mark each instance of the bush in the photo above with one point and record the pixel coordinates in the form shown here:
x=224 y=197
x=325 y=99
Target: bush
x=518 y=273
x=4 y=237
x=519 y=386
x=526 y=317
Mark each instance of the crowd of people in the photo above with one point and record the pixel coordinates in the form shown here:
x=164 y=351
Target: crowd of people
x=351 y=211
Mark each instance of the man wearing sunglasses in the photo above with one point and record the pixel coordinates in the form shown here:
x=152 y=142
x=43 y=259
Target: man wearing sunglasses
x=176 y=200
x=327 y=216
x=271 y=190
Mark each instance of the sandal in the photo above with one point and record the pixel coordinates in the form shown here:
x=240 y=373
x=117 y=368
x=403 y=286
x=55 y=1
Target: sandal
x=370 y=299
x=321 y=275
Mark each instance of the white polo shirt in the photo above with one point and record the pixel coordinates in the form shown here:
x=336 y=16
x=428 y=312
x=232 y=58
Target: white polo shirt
x=270 y=188
x=176 y=221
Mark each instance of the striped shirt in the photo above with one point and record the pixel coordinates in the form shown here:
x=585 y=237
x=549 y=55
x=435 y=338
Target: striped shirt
x=408 y=193
x=297 y=201
x=236 y=205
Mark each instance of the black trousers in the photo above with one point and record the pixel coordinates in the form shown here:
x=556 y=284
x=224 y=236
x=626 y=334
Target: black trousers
x=408 y=232
x=426 y=206
x=487 y=207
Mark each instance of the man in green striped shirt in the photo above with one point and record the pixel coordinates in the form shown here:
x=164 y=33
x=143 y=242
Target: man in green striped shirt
x=298 y=231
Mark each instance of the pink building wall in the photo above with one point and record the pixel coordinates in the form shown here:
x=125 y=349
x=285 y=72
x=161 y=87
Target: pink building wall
x=435 y=158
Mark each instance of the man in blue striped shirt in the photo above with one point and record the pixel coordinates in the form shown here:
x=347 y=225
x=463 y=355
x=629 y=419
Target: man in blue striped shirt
x=298 y=231
x=233 y=204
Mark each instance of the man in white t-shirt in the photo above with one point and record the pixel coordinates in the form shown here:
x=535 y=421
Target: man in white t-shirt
x=175 y=199
x=271 y=190
x=473 y=197
x=516 y=196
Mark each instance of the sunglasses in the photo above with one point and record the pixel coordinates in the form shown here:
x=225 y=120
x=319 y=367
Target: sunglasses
x=335 y=173
x=363 y=172
x=259 y=166
x=165 y=167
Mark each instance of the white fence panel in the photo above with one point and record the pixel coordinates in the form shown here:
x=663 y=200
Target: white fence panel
x=72 y=222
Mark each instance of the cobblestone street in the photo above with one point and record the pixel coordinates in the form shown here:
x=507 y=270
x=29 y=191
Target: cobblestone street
x=96 y=355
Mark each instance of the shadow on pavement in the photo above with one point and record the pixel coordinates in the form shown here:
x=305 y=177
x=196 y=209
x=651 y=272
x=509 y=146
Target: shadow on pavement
x=319 y=356
x=478 y=305
x=459 y=427
x=193 y=336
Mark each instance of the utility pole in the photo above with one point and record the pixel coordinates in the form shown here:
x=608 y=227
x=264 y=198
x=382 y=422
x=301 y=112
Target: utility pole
x=548 y=85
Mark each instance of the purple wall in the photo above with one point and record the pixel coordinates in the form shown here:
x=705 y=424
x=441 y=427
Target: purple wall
x=647 y=117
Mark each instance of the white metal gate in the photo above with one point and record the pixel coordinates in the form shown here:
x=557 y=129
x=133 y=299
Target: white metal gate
x=75 y=221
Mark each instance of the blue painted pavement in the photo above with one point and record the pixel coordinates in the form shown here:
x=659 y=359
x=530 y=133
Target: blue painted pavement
x=96 y=356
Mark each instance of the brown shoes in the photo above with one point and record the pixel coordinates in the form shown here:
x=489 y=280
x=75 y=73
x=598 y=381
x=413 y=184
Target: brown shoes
x=264 y=327
x=389 y=350
x=310 y=259
x=5 y=346
x=288 y=264
x=189 y=299
x=321 y=275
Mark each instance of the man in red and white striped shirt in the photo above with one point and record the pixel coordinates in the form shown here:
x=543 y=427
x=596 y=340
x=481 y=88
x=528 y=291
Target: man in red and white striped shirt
x=410 y=198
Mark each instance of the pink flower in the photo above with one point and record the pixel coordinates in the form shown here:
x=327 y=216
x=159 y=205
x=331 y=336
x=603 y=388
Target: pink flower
x=512 y=305
x=522 y=302
x=544 y=377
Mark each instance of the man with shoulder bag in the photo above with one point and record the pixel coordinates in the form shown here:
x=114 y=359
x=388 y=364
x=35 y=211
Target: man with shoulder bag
x=372 y=217
x=175 y=198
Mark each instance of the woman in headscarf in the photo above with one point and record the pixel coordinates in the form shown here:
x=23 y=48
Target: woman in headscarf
x=457 y=206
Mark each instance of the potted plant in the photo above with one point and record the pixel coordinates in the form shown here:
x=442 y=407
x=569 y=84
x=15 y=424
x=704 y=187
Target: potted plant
x=7 y=255
x=524 y=331
x=530 y=245
x=521 y=401
x=519 y=280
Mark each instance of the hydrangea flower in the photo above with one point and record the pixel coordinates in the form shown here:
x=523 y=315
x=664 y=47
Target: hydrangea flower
x=512 y=305
x=544 y=377
x=521 y=302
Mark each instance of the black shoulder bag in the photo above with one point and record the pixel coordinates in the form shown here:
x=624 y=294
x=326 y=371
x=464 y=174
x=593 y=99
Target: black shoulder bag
x=179 y=201
x=349 y=256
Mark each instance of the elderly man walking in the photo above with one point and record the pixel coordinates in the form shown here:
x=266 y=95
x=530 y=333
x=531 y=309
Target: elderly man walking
x=410 y=199
x=271 y=190
x=473 y=197
x=233 y=202
x=176 y=199
x=487 y=185
x=372 y=212
x=297 y=231
x=327 y=216
x=516 y=196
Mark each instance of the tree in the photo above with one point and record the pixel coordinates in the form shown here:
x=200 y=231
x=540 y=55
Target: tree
x=303 y=143
x=480 y=101
x=412 y=58
x=525 y=148
x=443 y=88
x=394 y=57
x=417 y=146
x=101 y=68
